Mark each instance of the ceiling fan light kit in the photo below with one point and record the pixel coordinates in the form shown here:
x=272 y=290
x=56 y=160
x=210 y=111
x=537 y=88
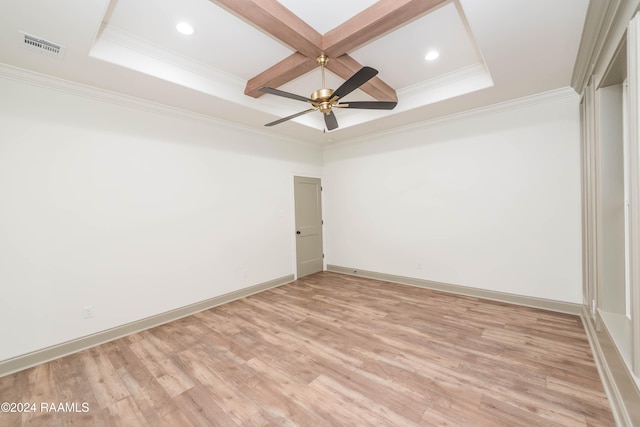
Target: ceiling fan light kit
x=324 y=99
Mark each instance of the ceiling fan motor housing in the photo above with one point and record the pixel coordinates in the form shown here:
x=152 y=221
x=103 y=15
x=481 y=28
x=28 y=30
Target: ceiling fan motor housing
x=321 y=99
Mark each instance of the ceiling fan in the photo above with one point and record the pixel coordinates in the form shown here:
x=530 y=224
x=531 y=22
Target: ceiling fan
x=325 y=100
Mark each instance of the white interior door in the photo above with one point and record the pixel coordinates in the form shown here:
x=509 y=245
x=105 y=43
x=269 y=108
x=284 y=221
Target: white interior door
x=308 y=211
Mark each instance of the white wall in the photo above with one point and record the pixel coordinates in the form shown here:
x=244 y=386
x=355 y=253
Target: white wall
x=132 y=212
x=489 y=201
x=136 y=212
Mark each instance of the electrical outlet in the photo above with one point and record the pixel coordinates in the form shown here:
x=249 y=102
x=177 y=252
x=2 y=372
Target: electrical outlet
x=87 y=312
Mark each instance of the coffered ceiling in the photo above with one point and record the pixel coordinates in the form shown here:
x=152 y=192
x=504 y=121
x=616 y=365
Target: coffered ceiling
x=490 y=51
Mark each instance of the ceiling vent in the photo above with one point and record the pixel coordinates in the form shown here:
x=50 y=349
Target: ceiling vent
x=41 y=45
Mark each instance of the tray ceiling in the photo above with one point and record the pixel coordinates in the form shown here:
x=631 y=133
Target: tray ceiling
x=490 y=51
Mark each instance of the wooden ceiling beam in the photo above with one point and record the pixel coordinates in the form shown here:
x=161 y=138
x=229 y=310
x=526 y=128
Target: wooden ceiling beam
x=283 y=72
x=378 y=19
x=345 y=66
x=278 y=21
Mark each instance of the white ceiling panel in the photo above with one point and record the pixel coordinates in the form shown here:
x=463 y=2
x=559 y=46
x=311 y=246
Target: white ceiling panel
x=400 y=55
x=221 y=39
x=325 y=15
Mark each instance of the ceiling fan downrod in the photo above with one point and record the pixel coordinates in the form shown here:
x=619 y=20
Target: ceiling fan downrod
x=322 y=97
x=322 y=62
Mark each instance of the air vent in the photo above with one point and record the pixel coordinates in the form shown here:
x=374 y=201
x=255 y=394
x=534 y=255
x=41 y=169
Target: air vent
x=41 y=45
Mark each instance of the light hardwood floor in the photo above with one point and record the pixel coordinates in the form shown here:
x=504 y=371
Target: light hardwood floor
x=330 y=350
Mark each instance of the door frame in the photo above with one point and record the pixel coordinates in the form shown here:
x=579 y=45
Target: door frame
x=292 y=226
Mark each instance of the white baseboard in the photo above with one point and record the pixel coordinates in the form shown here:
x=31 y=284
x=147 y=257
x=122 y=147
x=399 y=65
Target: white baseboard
x=37 y=357
x=617 y=380
x=545 y=304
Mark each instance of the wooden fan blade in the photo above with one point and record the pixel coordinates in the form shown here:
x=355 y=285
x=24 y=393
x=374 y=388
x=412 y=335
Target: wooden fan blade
x=358 y=79
x=279 y=92
x=331 y=121
x=369 y=105
x=293 y=116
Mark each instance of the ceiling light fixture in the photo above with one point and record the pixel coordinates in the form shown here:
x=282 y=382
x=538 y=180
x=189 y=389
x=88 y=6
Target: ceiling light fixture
x=432 y=55
x=185 y=28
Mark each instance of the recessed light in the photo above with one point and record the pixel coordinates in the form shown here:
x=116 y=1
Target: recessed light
x=431 y=55
x=184 y=28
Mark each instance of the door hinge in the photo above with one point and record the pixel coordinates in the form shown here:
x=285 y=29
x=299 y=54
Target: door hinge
x=322 y=222
x=322 y=256
x=321 y=188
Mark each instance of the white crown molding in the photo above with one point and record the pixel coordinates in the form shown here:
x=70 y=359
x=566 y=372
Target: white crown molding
x=539 y=98
x=128 y=50
x=121 y=48
x=459 y=82
x=35 y=79
x=129 y=41
x=605 y=26
x=76 y=89
x=468 y=72
x=591 y=42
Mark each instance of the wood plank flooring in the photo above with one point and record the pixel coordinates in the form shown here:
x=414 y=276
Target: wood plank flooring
x=330 y=350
